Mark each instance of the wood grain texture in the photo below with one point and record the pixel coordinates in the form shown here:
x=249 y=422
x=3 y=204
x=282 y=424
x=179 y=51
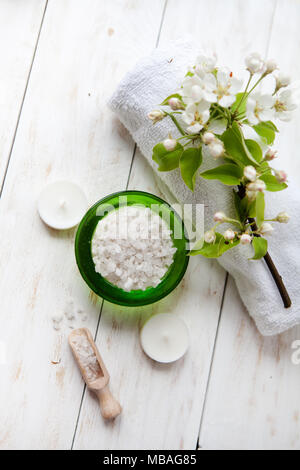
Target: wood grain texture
x=19 y=27
x=163 y=404
x=65 y=131
x=259 y=405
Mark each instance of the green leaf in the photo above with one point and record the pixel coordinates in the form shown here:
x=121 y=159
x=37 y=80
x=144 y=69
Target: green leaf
x=175 y=95
x=214 y=250
x=241 y=206
x=272 y=184
x=228 y=174
x=167 y=160
x=264 y=168
x=252 y=209
x=255 y=149
x=242 y=108
x=189 y=163
x=260 y=208
x=260 y=246
x=266 y=130
x=198 y=245
x=236 y=147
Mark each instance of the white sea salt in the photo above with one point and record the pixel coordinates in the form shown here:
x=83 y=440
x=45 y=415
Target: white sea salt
x=132 y=248
x=70 y=318
x=86 y=356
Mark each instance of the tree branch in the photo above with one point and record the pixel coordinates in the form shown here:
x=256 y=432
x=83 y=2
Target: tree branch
x=272 y=268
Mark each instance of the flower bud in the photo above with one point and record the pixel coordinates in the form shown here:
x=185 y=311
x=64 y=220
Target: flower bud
x=245 y=239
x=270 y=155
x=282 y=80
x=208 y=138
x=283 y=218
x=254 y=63
x=216 y=149
x=251 y=195
x=175 y=104
x=258 y=185
x=194 y=128
x=170 y=144
x=250 y=173
x=210 y=236
x=281 y=176
x=156 y=115
x=270 y=66
x=229 y=234
x=220 y=217
x=266 y=228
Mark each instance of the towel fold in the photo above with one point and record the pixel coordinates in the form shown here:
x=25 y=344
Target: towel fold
x=156 y=77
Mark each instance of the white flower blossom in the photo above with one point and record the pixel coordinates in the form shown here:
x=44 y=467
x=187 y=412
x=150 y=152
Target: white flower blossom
x=217 y=126
x=270 y=66
x=282 y=80
x=205 y=64
x=210 y=236
x=250 y=173
x=220 y=217
x=266 y=228
x=245 y=239
x=196 y=115
x=195 y=88
x=283 y=218
x=227 y=87
x=156 y=115
x=254 y=63
x=259 y=108
x=229 y=234
x=170 y=144
x=284 y=105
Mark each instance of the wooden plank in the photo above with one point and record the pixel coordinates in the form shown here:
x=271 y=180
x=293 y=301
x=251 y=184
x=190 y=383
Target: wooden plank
x=65 y=131
x=259 y=406
x=163 y=404
x=19 y=27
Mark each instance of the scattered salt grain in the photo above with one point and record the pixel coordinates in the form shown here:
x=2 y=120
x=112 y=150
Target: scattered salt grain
x=70 y=317
x=86 y=356
x=132 y=248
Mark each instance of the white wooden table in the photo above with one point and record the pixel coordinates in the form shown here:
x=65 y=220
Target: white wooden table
x=60 y=61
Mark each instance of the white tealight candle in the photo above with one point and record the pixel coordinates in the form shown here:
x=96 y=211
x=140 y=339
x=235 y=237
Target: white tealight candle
x=62 y=205
x=165 y=337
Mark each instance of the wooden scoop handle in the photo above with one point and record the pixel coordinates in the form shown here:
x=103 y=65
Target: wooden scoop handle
x=110 y=407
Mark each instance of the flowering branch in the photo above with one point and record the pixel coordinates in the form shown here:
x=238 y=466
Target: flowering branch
x=211 y=114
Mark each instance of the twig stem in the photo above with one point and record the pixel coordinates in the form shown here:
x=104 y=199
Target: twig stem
x=271 y=266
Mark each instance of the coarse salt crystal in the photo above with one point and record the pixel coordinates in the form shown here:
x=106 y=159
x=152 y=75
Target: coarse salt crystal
x=86 y=356
x=132 y=248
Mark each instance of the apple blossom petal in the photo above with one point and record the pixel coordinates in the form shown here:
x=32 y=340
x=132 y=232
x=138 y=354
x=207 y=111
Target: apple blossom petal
x=218 y=126
x=222 y=78
x=266 y=100
x=227 y=100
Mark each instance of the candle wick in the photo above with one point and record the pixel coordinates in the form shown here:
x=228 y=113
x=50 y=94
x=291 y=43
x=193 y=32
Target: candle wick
x=165 y=337
x=62 y=204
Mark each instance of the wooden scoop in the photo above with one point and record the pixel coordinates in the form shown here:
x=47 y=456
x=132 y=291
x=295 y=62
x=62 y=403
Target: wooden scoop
x=110 y=407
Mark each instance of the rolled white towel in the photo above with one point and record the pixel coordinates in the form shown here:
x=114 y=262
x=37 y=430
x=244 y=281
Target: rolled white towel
x=142 y=89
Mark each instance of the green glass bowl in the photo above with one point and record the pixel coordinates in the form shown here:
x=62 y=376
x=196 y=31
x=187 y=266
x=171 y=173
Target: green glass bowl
x=99 y=284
